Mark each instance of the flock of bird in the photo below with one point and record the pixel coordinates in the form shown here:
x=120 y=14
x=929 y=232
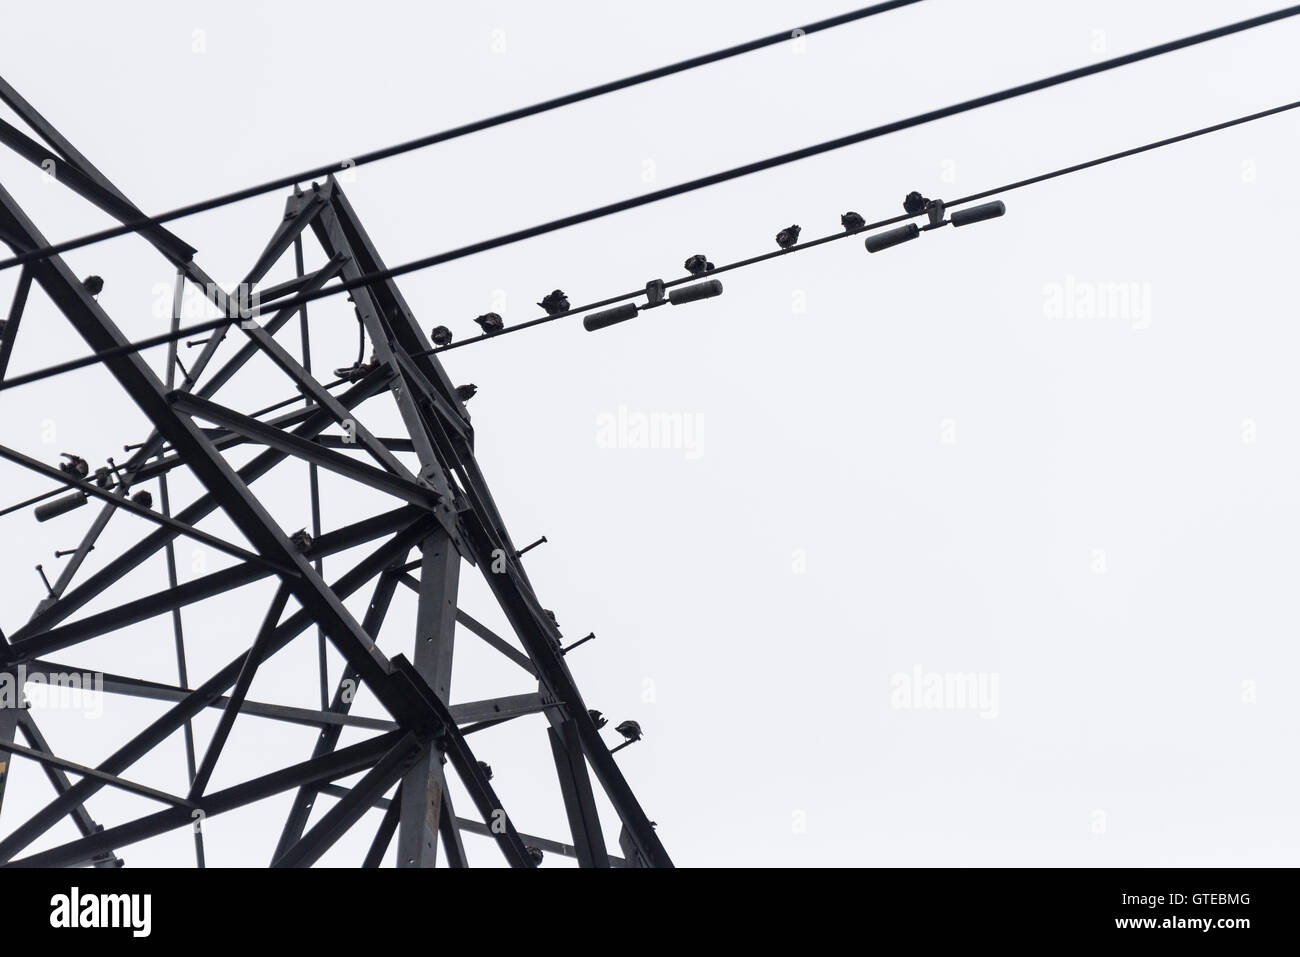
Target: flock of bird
x=556 y=303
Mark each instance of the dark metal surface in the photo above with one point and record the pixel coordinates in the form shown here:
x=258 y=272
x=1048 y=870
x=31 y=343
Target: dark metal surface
x=444 y=515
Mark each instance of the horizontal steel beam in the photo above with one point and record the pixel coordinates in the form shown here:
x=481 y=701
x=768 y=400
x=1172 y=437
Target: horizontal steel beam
x=155 y=691
x=541 y=843
x=358 y=757
x=53 y=761
x=30 y=644
x=478 y=827
x=511 y=706
x=305 y=449
x=162 y=728
x=121 y=501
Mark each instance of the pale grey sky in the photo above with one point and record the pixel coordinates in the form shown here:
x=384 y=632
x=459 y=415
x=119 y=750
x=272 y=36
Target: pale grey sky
x=960 y=456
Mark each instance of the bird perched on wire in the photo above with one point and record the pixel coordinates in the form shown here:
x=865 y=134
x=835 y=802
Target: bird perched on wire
x=490 y=323
x=915 y=204
x=143 y=498
x=76 y=465
x=301 y=539
x=93 y=285
x=629 y=730
x=698 y=265
x=556 y=303
x=441 y=336
x=788 y=237
x=851 y=221
x=466 y=392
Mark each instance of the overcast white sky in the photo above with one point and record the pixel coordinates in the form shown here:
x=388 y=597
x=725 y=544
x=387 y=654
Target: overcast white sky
x=936 y=458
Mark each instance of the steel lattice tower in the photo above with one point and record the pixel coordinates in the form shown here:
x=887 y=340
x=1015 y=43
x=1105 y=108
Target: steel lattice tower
x=441 y=514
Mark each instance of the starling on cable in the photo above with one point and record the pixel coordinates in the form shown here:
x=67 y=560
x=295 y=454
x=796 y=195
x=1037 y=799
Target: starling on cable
x=851 y=221
x=466 y=392
x=556 y=303
x=915 y=203
x=698 y=266
x=93 y=285
x=788 y=237
x=491 y=323
x=441 y=336
x=143 y=498
x=75 y=465
x=629 y=730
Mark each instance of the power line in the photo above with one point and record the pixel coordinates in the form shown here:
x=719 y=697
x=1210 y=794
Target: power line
x=72 y=364
x=845 y=234
x=455 y=132
x=728 y=267
x=379 y=275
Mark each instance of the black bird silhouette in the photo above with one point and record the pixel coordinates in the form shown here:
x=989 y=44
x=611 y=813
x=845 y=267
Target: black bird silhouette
x=301 y=539
x=698 y=265
x=598 y=719
x=486 y=769
x=491 y=323
x=630 y=730
x=93 y=285
x=143 y=498
x=466 y=392
x=915 y=203
x=535 y=853
x=75 y=465
x=441 y=336
x=357 y=371
x=556 y=303
x=851 y=221
x=788 y=237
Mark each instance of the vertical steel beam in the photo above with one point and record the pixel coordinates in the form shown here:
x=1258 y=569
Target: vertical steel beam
x=9 y=711
x=424 y=789
x=80 y=816
x=350 y=809
x=344 y=695
x=242 y=683
x=340 y=231
x=158 y=730
x=384 y=835
x=10 y=330
x=579 y=801
x=178 y=630
x=313 y=477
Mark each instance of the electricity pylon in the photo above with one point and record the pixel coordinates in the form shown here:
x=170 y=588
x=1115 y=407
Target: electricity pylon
x=440 y=514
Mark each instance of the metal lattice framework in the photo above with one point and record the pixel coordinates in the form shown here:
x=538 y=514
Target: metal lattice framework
x=440 y=514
